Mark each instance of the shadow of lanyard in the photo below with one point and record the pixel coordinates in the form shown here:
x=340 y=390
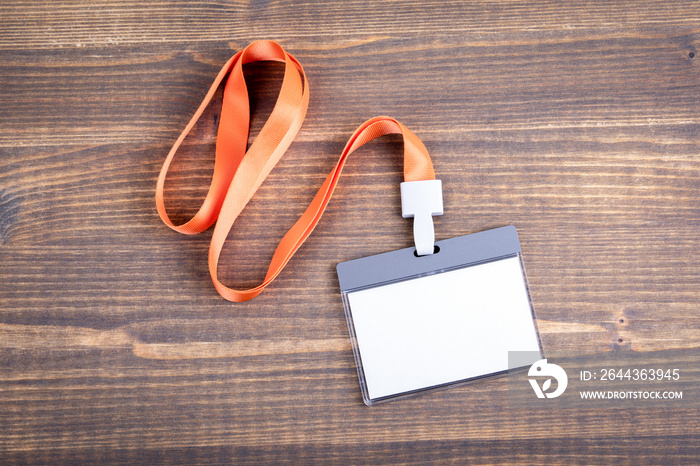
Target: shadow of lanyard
x=239 y=172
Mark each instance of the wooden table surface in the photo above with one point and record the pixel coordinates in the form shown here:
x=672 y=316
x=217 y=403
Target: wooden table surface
x=578 y=122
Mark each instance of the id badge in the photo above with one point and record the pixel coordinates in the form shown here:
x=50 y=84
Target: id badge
x=419 y=323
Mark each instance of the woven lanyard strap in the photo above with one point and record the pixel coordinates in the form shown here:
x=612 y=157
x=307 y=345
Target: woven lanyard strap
x=239 y=172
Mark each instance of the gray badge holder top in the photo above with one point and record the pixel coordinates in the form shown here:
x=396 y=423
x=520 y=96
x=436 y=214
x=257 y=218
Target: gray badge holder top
x=424 y=322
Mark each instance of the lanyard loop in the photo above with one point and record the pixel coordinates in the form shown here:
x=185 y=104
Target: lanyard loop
x=238 y=173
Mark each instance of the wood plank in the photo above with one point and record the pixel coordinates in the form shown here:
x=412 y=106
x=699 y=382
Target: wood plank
x=70 y=23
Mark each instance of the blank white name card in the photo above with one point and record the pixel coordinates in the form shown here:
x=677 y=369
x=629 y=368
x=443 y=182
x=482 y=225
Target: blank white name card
x=419 y=323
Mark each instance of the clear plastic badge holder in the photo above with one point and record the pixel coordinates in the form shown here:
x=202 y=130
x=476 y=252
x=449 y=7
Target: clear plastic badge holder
x=424 y=322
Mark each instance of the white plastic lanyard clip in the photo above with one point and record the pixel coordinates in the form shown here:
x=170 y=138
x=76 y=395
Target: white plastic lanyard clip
x=421 y=200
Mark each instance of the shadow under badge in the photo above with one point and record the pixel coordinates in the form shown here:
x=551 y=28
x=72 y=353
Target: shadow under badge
x=424 y=322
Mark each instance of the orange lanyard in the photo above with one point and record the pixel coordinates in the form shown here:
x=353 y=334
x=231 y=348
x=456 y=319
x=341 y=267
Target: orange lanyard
x=239 y=172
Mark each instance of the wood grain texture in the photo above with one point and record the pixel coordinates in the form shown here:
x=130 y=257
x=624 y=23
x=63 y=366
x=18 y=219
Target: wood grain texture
x=577 y=122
